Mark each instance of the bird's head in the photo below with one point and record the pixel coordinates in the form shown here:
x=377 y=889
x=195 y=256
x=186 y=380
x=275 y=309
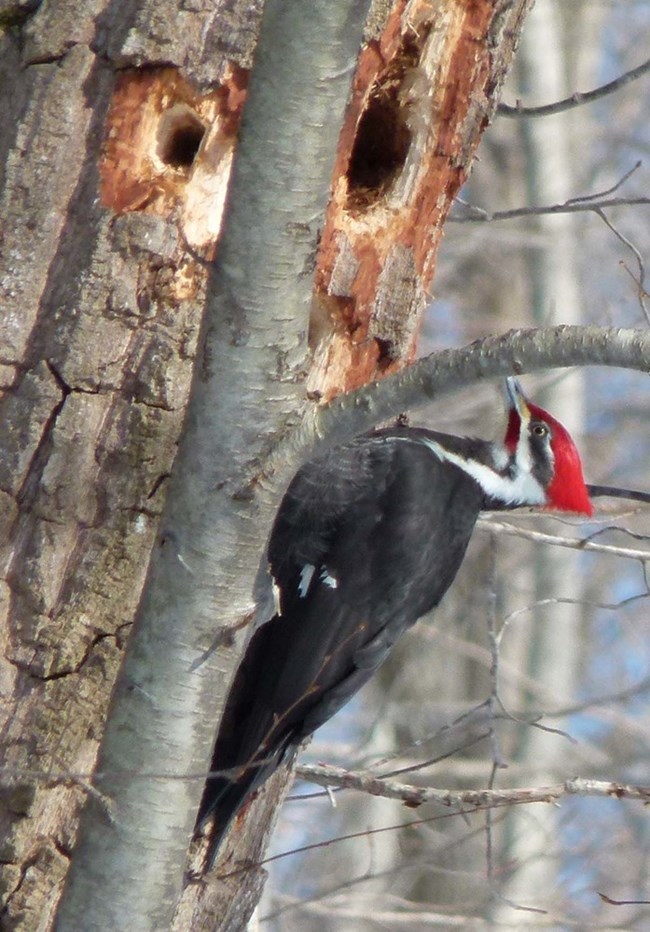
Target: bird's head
x=542 y=449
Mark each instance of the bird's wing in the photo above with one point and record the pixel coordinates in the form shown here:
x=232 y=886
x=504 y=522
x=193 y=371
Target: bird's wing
x=367 y=540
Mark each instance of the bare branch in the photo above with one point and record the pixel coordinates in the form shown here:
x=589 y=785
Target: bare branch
x=516 y=351
x=342 y=915
x=608 y=699
x=611 y=902
x=432 y=861
x=325 y=775
x=503 y=527
x=640 y=281
x=583 y=202
x=634 y=495
x=577 y=99
x=478 y=215
x=559 y=600
x=494 y=701
x=599 y=195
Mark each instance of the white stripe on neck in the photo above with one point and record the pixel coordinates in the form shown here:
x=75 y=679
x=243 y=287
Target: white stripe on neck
x=521 y=489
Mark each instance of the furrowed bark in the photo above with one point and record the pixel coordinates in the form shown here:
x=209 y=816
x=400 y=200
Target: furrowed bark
x=100 y=303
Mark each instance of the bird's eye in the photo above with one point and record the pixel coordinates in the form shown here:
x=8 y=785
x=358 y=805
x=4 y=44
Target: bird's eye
x=540 y=429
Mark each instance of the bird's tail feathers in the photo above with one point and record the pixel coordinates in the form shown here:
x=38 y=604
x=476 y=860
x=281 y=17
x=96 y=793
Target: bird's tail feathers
x=225 y=801
x=222 y=800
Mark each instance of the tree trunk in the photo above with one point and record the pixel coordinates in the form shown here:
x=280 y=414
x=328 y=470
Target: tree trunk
x=102 y=301
x=549 y=644
x=118 y=128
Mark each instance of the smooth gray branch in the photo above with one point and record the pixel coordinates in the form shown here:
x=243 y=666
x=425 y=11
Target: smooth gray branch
x=253 y=341
x=514 y=352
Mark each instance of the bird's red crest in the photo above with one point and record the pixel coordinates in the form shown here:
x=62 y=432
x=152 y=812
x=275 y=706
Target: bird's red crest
x=567 y=491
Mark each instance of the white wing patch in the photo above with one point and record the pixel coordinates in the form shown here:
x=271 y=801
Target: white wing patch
x=306 y=574
x=328 y=579
x=275 y=589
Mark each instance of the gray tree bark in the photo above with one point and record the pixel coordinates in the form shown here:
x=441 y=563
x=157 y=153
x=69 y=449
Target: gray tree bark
x=100 y=312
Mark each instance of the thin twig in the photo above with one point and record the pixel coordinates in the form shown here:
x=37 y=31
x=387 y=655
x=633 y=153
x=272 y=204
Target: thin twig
x=493 y=702
x=502 y=527
x=478 y=215
x=623 y=695
x=577 y=99
x=583 y=200
x=475 y=801
x=431 y=860
x=611 y=491
x=560 y=600
x=642 y=294
x=599 y=195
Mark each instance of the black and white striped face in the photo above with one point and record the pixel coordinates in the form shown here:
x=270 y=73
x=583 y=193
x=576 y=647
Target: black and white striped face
x=515 y=472
x=522 y=471
x=530 y=459
x=507 y=479
x=539 y=458
x=543 y=455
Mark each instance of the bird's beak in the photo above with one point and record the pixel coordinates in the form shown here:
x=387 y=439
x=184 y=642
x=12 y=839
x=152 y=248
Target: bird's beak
x=516 y=402
x=518 y=412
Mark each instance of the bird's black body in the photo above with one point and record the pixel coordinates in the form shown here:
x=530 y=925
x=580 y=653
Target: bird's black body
x=368 y=539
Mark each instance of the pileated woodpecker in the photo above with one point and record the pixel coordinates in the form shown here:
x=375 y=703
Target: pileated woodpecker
x=368 y=538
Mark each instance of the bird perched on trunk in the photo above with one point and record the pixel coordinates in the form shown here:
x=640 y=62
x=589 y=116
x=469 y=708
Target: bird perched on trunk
x=368 y=538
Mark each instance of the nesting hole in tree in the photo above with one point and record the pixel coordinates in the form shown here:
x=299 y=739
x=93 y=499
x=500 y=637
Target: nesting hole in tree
x=180 y=134
x=386 y=355
x=383 y=138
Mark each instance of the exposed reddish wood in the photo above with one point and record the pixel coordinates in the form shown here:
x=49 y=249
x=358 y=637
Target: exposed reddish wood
x=169 y=148
x=420 y=101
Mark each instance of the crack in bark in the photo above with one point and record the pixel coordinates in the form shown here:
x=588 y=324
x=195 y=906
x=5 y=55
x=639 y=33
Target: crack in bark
x=53 y=59
x=78 y=667
x=24 y=868
x=67 y=389
x=27 y=492
x=63 y=850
